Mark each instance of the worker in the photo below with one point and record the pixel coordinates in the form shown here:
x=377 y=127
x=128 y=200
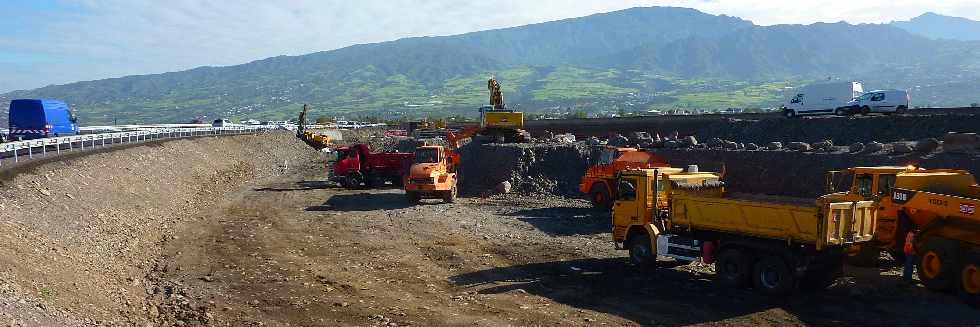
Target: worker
x=910 y=256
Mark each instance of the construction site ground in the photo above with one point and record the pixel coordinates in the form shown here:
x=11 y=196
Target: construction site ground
x=277 y=245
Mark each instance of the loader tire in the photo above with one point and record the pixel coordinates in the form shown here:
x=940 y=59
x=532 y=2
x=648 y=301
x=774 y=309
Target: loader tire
x=413 y=197
x=773 y=276
x=969 y=279
x=449 y=196
x=733 y=268
x=938 y=263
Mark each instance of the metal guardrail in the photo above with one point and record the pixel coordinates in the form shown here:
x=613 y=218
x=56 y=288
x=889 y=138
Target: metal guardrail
x=18 y=151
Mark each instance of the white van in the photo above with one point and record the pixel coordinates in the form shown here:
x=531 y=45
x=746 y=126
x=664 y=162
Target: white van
x=882 y=101
x=822 y=98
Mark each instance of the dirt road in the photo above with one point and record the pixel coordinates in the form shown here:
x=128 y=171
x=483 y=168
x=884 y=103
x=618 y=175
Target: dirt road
x=298 y=252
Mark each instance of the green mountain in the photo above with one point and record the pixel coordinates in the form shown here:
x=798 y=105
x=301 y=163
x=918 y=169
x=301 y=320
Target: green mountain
x=632 y=60
x=938 y=26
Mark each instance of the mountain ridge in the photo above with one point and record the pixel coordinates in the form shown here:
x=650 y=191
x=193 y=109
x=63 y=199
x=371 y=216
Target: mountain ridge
x=630 y=60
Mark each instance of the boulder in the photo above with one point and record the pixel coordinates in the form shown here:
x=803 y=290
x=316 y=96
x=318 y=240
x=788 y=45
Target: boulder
x=618 y=140
x=672 y=144
x=773 y=146
x=823 y=146
x=564 y=138
x=752 y=147
x=874 y=147
x=689 y=141
x=856 y=147
x=902 y=147
x=927 y=145
x=503 y=187
x=729 y=145
x=594 y=141
x=715 y=142
x=961 y=142
x=740 y=146
x=799 y=146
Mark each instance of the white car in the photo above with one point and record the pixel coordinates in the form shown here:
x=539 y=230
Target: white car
x=880 y=101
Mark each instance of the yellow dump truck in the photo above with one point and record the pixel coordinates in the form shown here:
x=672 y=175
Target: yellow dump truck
x=773 y=243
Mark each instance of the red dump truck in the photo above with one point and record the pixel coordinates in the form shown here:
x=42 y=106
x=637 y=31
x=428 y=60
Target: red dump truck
x=357 y=165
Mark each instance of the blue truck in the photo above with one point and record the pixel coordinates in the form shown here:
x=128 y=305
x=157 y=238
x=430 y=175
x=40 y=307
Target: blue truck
x=40 y=118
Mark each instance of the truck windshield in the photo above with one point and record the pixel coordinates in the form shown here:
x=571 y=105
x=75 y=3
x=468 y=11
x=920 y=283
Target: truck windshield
x=426 y=156
x=863 y=183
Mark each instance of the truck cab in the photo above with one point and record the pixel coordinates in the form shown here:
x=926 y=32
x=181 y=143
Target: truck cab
x=597 y=183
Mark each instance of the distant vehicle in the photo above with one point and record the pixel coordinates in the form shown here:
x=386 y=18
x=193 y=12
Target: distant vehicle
x=40 y=118
x=880 y=101
x=823 y=98
x=344 y=124
x=223 y=123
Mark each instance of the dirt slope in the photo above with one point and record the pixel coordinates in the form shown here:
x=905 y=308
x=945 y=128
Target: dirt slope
x=81 y=235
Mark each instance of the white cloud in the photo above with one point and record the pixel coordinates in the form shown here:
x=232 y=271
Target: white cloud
x=121 y=37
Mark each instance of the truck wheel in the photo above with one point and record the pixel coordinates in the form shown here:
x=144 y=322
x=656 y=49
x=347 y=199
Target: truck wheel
x=733 y=268
x=938 y=262
x=353 y=180
x=840 y=112
x=413 y=197
x=865 y=110
x=450 y=196
x=641 y=254
x=599 y=196
x=865 y=255
x=969 y=283
x=789 y=113
x=773 y=276
x=901 y=110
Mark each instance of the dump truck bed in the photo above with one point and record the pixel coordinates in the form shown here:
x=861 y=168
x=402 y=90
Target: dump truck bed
x=824 y=225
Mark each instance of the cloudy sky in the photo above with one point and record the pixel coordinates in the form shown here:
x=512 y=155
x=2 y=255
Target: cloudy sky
x=59 y=41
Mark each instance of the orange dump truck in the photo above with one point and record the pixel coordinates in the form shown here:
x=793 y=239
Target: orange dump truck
x=433 y=174
x=598 y=181
x=940 y=205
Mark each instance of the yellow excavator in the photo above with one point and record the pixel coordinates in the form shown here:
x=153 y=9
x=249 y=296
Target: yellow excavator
x=315 y=140
x=499 y=124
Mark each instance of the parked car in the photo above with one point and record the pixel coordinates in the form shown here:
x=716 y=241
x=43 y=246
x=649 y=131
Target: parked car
x=822 y=98
x=880 y=101
x=40 y=118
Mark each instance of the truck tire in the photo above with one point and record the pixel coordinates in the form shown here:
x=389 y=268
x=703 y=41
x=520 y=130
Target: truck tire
x=733 y=268
x=771 y=275
x=449 y=196
x=938 y=263
x=866 y=255
x=865 y=110
x=969 y=281
x=413 y=197
x=641 y=254
x=599 y=196
x=789 y=113
x=901 y=110
x=353 y=181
